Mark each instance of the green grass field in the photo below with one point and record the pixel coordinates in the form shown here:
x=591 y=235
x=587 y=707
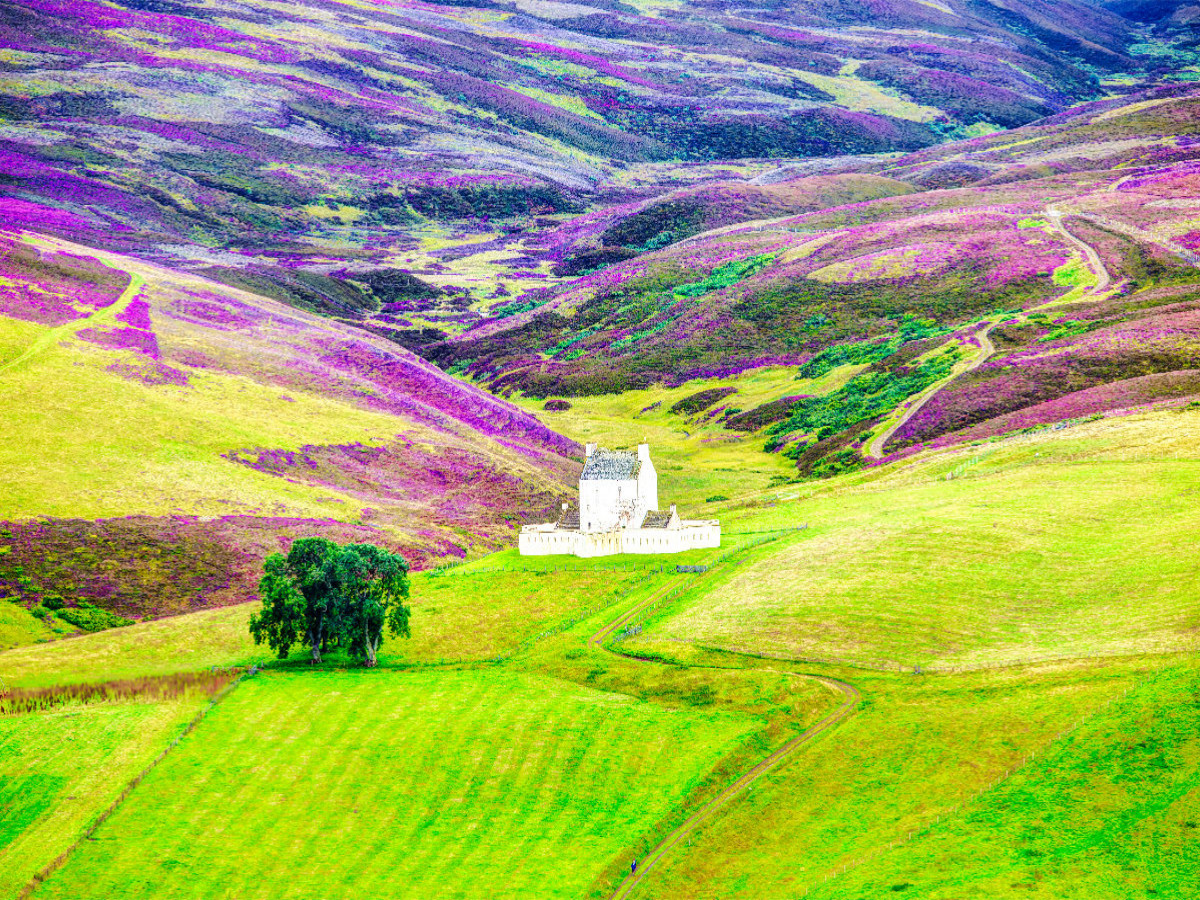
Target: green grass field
x=59 y=769
x=457 y=617
x=1058 y=559
x=1109 y=811
x=919 y=747
x=454 y=784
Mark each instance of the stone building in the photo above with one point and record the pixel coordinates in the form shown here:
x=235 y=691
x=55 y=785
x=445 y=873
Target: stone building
x=618 y=513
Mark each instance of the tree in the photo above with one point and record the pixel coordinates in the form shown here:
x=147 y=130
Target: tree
x=321 y=595
x=300 y=604
x=373 y=585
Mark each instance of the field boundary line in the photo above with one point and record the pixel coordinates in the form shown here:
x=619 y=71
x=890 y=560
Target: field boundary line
x=58 y=862
x=923 y=669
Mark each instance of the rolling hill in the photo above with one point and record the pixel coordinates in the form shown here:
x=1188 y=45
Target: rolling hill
x=1054 y=278
x=170 y=431
x=906 y=293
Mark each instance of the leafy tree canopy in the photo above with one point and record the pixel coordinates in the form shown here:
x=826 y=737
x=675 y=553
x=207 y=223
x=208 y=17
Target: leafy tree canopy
x=322 y=596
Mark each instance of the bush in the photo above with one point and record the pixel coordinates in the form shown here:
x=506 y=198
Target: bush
x=838 y=463
x=864 y=397
x=556 y=405
x=700 y=401
x=40 y=612
x=87 y=617
x=53 y=601
x=716 y=498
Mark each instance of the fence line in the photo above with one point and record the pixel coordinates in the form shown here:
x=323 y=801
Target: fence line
x=55 y=864
x=629 y=566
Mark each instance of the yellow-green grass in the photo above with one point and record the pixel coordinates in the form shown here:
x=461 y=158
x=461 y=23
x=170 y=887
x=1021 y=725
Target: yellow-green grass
x=385 y=784
x=456 y=618
x=91 y=443
x=16 y=337
x=915 y=754
x=60 y=769
x=18 y=626
x=217 y=637
x=1109 y=812
x=695 y=459
x=88 y=442
x=1050 y=560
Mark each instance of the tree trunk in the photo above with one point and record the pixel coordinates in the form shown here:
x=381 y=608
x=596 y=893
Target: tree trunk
x=370 y=646
x=314 y=642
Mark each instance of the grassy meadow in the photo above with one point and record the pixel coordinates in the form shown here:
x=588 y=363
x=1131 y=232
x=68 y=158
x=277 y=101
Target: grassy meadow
x=59 y=769
x=449 y=784
x=500 y=752
x=1056 y=559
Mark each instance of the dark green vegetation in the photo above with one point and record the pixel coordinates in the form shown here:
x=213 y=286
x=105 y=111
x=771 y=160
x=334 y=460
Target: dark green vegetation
x=323 y=596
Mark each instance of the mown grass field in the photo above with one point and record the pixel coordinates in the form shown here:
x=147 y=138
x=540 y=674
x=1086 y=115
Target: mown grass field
x=453 y=784
x=59 y=769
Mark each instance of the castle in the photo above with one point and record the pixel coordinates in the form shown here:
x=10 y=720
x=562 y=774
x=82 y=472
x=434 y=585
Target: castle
x=618 y=513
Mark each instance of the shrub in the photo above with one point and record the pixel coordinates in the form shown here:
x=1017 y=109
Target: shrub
x=53 y=601
x=87 y=617
x=864 y=397
x=716 y=498
x=726 y=275
x=838 y=463
x=556 y=405
x=701 y=400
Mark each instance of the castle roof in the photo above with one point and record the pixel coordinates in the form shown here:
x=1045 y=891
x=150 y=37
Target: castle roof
x=569 y=520
x=611 y=465
x=656 y=519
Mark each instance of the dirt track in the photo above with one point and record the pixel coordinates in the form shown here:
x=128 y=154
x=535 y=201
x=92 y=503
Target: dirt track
x=779 y=756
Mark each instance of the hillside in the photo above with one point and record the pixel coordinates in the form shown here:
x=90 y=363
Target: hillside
x=1054 y=277
x=645 y=698
x=166 y=432
x=297 y=150
x=906 y=294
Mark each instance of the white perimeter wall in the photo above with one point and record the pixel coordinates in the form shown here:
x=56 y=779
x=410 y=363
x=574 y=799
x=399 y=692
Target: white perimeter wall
x=631 y=540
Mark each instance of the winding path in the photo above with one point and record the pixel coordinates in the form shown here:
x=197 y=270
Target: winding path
x=986 y=347
x=102 y=316
x=731 y=792
x=1089 y=253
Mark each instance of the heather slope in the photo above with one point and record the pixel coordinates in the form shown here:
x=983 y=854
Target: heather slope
x=298 y=148
x=1029 y=292
x=172 y=431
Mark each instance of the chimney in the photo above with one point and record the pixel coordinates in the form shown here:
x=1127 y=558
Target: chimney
x=565 y=507
x=674 y=510
x=589 y=449
x=644 y=451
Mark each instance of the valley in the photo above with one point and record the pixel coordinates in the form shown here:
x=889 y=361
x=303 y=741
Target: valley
x=905 y=295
